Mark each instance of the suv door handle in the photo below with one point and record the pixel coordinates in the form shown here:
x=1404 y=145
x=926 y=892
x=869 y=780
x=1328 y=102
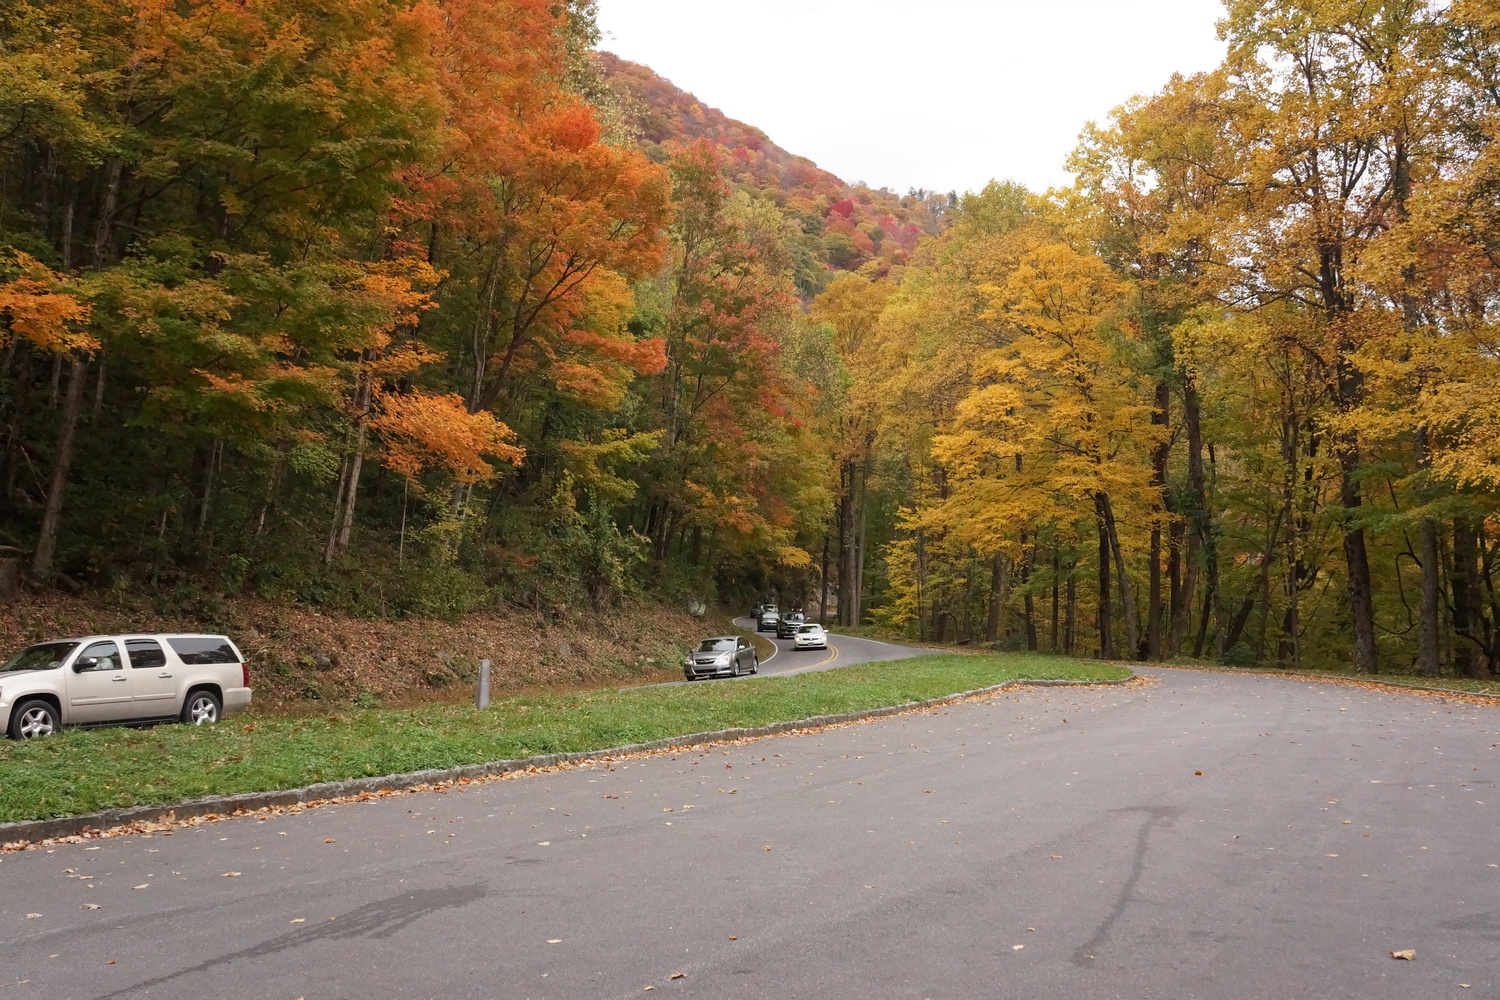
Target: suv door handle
x=164 y=675
x=118 y=680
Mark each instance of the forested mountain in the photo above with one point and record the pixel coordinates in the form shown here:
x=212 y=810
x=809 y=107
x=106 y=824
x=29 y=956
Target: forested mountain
x=422 y=307
x=843 y=227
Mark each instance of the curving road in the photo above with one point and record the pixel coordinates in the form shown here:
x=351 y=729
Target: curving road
x=842 y=651
x=1202 y=836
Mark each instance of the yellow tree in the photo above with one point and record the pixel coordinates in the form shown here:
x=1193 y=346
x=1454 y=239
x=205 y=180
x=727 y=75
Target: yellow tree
x=851 y=305
x=1054 y=420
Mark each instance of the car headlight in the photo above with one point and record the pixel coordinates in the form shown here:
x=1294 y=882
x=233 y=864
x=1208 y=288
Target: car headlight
x=722 y=659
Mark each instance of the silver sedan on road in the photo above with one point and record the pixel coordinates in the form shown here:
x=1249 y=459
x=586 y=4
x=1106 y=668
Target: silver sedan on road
x=721 y=656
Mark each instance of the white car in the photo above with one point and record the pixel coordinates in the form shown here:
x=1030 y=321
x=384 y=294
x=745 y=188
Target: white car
x=104 y=679
x=810 y=637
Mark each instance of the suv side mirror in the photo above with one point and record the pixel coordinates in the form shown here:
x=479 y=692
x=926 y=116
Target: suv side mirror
x=85 y=663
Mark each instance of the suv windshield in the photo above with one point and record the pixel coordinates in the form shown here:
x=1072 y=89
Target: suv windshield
x=42 y=656
x=716 y=646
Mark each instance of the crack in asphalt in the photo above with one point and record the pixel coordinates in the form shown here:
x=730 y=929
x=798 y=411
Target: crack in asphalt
x=376 y=920
x=1155 y=816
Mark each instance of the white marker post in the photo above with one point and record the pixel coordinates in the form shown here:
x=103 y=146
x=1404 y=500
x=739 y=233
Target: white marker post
x=482 y=698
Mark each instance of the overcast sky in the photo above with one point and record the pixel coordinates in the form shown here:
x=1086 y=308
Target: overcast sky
x=941 y=94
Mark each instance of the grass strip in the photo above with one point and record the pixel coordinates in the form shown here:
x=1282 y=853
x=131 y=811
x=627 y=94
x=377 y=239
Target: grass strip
x=82 y=771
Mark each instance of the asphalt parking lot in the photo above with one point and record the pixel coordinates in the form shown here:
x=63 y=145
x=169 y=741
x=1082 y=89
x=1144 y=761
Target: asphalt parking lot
x=1201 y=835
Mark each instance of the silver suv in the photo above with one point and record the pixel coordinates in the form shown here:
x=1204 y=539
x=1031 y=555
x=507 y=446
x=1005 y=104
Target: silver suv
x=104 y=679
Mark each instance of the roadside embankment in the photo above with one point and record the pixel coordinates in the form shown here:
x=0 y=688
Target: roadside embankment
x=301 y=659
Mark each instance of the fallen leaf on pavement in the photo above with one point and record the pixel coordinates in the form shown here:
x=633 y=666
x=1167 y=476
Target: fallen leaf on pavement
x=143 y=885
x=299 y=920
x=89 y=906
x=1408 y=954
x=230 y=875
x=679 y=975
x=329 y=840
x=1057 y=856
x=767 y=847
x=555 y=941
x=110 y=962
x=1017 y=947
x=32 y=916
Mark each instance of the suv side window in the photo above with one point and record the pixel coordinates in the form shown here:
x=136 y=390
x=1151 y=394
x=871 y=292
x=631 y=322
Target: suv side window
x=203 y=649
x=105 y=654
x=145 y=654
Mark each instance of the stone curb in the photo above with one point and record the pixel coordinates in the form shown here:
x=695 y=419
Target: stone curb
x=25 y=831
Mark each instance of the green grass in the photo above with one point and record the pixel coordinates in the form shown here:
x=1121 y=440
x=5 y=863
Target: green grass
x=82 y=771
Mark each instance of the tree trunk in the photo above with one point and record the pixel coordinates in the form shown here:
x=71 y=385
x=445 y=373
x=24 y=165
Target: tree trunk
x=997 y=597
x=42 y=567
x=1430 y=617
x=1106 y=627
x=343 y=521
x=823 y=600
x=1070 y=621
x=1028 y=603
x=1182 y=600
x=1159 y=456
x=1471 y=653
x=1127 y=600
x=1361 y=596
x=1056 y=565
x=846 y=544
x=1238 y=623
x=859 y=572
x=1202 y=519
x=1203 y=620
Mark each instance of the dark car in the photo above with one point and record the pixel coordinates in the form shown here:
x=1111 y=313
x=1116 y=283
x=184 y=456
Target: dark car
x=721 y=656
x=767 y=619
x=789 y=624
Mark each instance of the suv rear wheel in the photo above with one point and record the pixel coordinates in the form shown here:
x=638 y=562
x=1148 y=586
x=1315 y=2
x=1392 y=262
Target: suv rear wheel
x=201 y=707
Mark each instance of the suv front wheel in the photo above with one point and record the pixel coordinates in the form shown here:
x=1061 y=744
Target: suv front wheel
x=32 y=719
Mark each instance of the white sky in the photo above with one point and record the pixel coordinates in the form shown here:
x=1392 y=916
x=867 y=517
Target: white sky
x=941 y=94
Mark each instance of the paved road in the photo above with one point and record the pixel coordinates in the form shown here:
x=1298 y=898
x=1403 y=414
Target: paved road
x=1056 y=843
x=842 y=651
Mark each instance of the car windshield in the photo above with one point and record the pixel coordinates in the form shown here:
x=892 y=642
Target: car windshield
x=810 y=628
x=42 y=656
x=716 y=646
